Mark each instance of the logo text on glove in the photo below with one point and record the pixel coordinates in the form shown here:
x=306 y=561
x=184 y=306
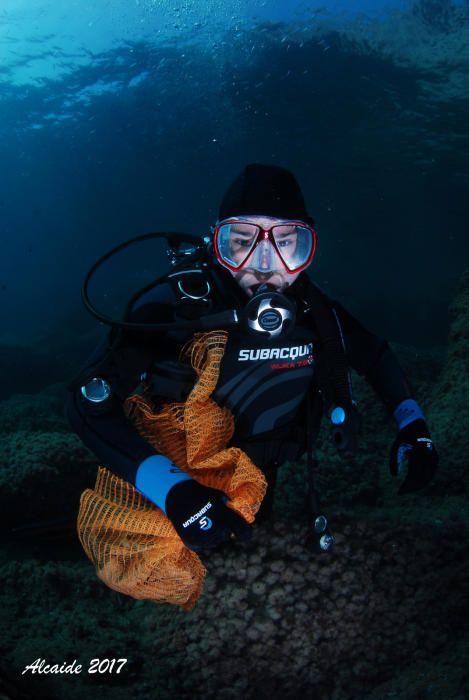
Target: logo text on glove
x=427 y=441
x=197 y=515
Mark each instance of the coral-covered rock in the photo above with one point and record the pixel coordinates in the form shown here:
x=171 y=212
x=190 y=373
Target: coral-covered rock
x=42 y=475
x=449 y=412
x=35 y=412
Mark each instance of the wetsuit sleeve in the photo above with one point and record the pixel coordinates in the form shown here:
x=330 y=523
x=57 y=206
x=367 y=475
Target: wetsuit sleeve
x=120 y=359
x=373 y=359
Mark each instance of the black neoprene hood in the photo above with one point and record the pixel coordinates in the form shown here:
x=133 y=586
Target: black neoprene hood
x=265 y=190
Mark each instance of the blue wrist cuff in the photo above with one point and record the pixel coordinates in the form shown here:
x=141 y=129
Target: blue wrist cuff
x=407 y=412
x=155 y=476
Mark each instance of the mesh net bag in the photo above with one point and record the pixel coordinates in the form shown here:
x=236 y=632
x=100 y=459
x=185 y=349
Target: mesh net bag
x=131 y=542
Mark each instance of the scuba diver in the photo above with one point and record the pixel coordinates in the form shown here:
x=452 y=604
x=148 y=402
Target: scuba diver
x=286 y=363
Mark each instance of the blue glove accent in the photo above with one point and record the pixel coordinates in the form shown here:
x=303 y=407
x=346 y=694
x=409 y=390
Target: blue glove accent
x=407 y=412
x=155 y=476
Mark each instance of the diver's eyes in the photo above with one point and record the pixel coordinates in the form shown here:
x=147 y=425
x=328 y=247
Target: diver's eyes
x=285 y=242
x=242 y=242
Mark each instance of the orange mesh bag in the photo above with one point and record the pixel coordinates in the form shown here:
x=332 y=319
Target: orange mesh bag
x=133 y=545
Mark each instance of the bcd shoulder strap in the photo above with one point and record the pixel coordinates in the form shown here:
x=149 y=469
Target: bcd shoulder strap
x=334 y=369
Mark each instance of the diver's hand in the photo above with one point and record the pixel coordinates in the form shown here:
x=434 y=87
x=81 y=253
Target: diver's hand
x=413 y=443
x=201 y=518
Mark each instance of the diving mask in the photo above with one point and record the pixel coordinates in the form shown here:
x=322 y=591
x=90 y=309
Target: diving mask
x=240 y=244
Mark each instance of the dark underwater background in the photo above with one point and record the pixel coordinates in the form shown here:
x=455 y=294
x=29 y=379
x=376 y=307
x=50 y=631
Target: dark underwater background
x=120 y=118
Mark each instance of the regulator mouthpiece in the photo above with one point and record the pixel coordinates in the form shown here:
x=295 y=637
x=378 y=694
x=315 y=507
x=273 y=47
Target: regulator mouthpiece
x=269 y=313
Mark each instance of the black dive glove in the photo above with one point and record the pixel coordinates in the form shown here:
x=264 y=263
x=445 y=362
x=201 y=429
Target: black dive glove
x=414 y=444
x=201 y=518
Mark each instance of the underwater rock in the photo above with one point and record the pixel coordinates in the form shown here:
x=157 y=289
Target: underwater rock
x=367 y=621
x=42 y=475
x=449 y=412
x=35 y=412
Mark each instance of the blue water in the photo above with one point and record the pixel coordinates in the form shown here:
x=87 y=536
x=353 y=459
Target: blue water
x=122 y=117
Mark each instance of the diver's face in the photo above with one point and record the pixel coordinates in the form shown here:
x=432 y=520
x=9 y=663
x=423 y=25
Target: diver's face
x=265 y=265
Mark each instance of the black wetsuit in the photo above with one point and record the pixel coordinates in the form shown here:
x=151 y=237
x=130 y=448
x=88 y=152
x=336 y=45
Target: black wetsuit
x=265 y=383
